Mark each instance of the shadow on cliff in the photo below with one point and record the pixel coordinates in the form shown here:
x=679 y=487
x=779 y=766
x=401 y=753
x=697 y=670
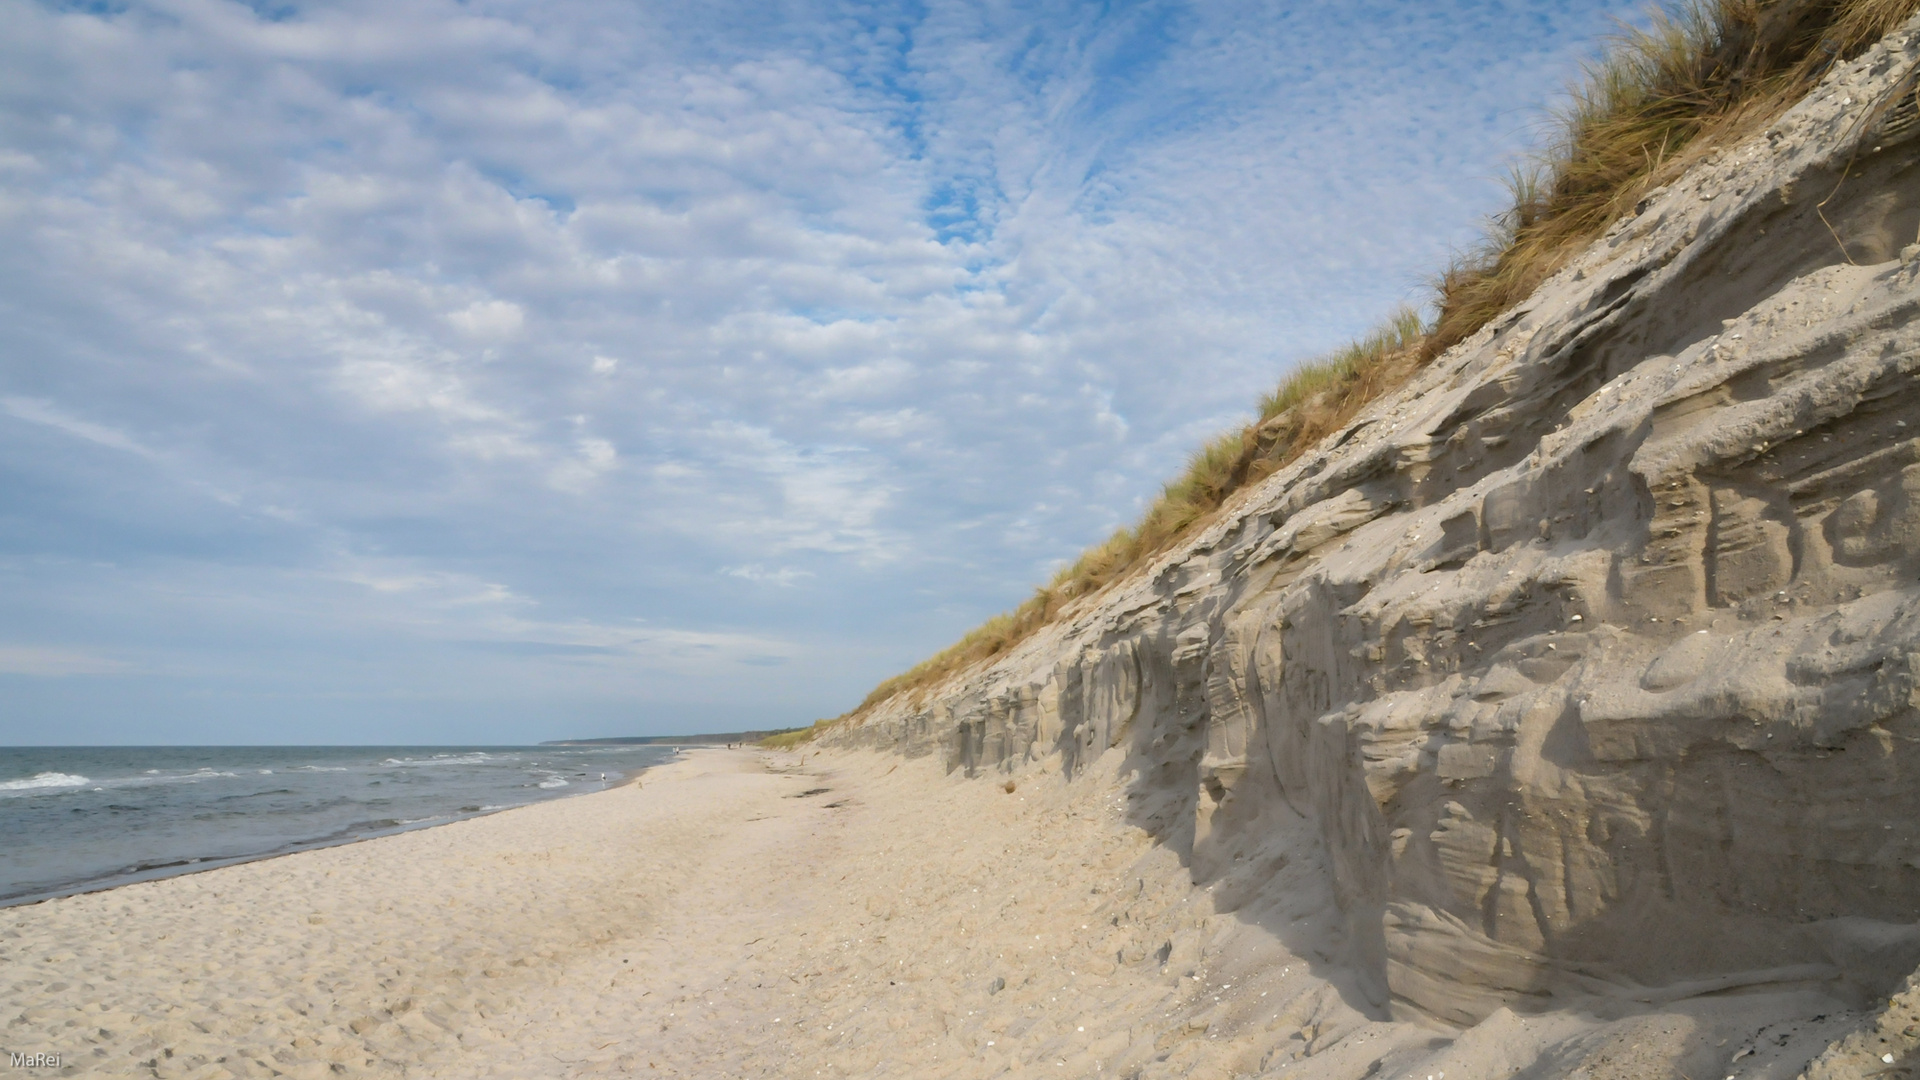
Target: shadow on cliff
x=1258 y=857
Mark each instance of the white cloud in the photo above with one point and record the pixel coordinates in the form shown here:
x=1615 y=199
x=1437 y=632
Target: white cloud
x=785 y=577
x=40 y=411
x=489 y=320
x=581 y=308
x=56 y=663
x=435 y=590
x=593 y=458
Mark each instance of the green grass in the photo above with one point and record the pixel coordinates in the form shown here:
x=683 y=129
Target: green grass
x=1704 y=74
x=787 y=740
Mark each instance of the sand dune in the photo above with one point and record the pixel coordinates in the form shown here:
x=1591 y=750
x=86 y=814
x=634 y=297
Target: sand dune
x=743 y=913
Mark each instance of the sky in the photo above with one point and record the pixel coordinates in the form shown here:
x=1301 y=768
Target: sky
x=410 y=371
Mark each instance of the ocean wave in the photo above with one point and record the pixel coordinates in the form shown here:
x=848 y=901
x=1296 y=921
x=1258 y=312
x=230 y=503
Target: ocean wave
x=255 y=794
x=552 y=782
x=475 y=758
x=178 y=778
x=144 y=780
x=43 y=783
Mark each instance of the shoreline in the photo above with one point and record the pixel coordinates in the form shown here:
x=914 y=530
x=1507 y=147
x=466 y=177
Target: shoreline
x=749 y=913
x=188 y=867
x=403 y=956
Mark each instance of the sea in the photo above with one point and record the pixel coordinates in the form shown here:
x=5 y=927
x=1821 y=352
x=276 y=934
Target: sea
x=77 y=819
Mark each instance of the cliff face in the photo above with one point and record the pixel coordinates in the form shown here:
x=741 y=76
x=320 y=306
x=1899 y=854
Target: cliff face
x=1593 y=654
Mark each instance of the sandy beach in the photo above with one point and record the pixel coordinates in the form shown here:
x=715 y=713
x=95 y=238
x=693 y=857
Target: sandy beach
x=742 y=913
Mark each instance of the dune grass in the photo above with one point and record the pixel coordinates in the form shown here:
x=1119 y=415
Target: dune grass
x=787 y=740
x=1703 y=74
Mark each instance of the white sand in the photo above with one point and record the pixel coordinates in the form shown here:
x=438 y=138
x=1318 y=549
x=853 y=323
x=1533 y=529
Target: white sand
x=713 y=922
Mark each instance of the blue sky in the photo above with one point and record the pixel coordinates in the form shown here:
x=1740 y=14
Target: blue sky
x=416 y=371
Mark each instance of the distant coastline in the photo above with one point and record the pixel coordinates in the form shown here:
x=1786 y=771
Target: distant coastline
x=715 y=739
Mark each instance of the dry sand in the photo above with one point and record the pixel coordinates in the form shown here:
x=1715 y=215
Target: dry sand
x=728 y=917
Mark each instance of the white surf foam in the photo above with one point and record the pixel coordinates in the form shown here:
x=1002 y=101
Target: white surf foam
x=39 y=782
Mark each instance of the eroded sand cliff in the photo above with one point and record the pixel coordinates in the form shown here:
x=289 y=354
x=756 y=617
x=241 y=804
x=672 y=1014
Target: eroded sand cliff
x=1585 y=666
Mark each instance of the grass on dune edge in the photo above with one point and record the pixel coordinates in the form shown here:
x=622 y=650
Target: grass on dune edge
x=1703 y=74
x=787 y=740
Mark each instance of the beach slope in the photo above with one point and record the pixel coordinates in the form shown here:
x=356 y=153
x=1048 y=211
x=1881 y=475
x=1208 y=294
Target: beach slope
x=747 y=913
